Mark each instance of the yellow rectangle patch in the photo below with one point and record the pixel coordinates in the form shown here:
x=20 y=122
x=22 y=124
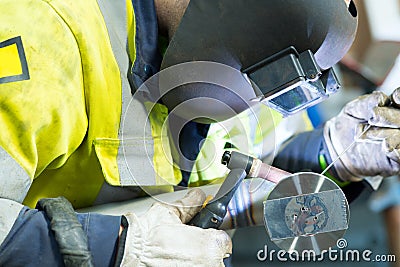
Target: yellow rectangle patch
x=13 y=64
x=10 y=63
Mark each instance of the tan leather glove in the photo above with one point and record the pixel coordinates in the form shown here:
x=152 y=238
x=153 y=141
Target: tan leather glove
x=377 y=151
x=160 y=237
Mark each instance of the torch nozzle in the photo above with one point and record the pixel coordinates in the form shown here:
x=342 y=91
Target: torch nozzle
x=254 y=167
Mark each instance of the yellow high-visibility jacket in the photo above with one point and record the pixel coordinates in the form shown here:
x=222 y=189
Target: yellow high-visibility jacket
x=67 y=123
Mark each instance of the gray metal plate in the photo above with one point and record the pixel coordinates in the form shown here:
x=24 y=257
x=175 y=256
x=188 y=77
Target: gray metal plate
x=306 y=211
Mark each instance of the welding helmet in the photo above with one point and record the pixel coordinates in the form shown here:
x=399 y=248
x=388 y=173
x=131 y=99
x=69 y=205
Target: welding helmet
x=285 y=49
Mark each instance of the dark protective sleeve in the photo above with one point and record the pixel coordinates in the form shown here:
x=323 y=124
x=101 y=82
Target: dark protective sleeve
x=190 y=142
x=31 y=241
x=302 y=153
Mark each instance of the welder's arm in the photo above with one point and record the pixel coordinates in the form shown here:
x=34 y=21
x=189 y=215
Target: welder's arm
x=307 y=151
x=26 y=235
x=54 y=235
x=31 y=240
x=368 y=128
x=365 y=136
x=374 y=153
x=302 y=153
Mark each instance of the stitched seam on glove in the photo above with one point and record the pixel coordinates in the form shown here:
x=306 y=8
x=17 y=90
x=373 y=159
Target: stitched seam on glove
x=134 y=233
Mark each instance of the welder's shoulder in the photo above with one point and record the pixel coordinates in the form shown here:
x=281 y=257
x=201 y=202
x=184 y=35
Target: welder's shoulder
x=39 y=56
x=41 y=83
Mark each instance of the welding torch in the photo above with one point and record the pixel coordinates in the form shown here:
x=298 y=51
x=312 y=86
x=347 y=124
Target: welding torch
x=241 y=166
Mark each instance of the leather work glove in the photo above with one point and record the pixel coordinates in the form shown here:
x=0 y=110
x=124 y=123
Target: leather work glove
x=374 y=153
x=161 y=238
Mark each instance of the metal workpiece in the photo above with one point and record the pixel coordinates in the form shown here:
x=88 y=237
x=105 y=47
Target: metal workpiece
x=306 y=211
x=305 y=215
x=254 y=167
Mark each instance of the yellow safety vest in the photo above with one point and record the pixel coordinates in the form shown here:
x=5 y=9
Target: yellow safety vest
x=67 y=115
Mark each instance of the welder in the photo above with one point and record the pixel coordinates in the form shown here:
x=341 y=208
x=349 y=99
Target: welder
x=82 y=123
